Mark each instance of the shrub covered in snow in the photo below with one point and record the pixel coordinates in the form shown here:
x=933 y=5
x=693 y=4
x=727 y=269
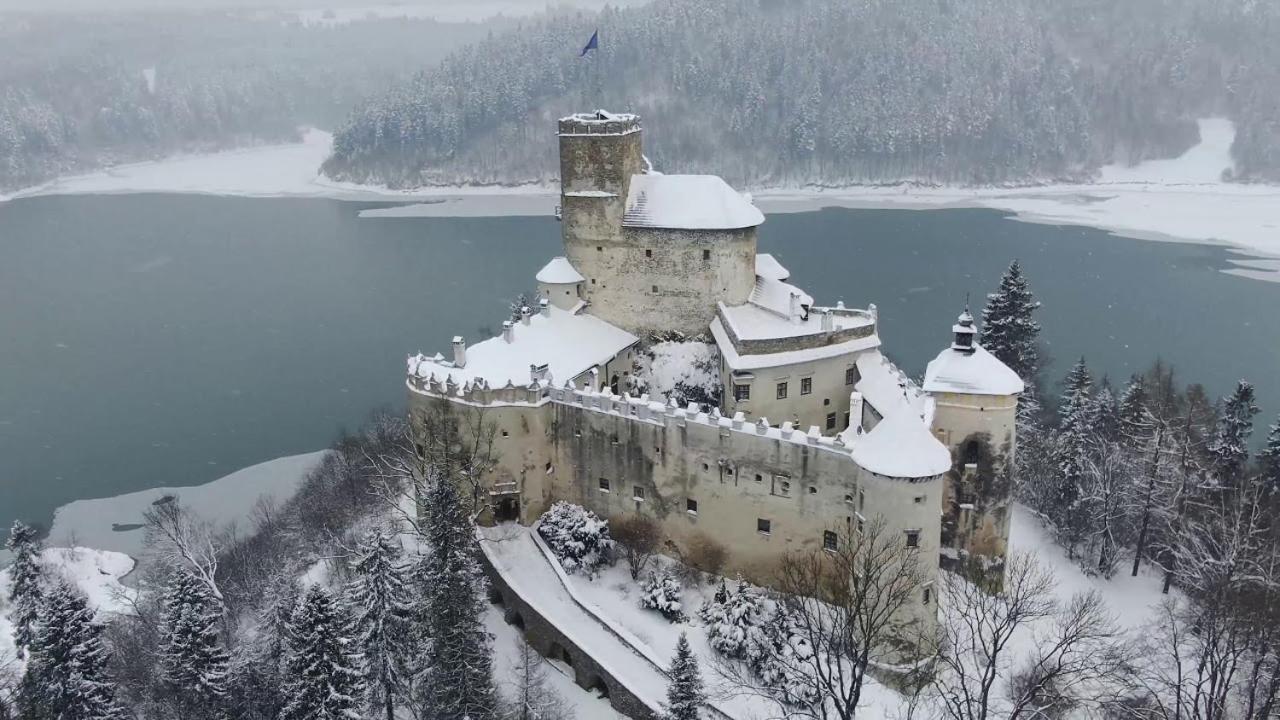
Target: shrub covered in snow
x=578 y=537
x=685 y=371
x=661 y=591
x=746 y=626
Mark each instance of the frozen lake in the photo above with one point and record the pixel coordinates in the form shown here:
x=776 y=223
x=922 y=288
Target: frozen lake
x=168 y=340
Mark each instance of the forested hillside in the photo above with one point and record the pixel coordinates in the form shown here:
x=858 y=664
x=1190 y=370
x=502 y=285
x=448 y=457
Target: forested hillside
x=816 y=91
x=82 y=91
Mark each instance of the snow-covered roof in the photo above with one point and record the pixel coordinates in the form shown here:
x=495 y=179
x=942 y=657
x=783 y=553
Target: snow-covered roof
x=976 y=373
x=900 y=445
x=590 y=194
x=559 y=272
x=768 y=267
x=687 y=202
x=737 y=361
x=568 y=343
x=775 y=296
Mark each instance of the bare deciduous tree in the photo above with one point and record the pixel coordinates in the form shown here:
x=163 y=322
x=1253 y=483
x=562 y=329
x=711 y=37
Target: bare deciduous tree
x=979 y=622
x=181 y=539
x=640 y=538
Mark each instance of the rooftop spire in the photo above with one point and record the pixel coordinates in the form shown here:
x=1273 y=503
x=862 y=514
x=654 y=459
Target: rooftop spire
x=964 y=332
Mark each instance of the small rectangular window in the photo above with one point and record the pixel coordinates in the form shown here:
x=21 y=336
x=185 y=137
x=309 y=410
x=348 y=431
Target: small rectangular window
x=831 y=421
x=851 y=375
x=648 y=253
x=706 y=254
x=741 y=392
x=829 y=540
x=782 y=391
x=928 y=595
x=604 y=484
x=637 y=493
x=759 y=477
x=806 y=386
x=506 y=434
x=913 y=538
x=763 y=526
x=862 y=500
x=691 y=506
x=919 y=499
x=655 y=288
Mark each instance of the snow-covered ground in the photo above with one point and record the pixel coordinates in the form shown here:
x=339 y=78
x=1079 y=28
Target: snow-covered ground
x=1182 y=199
x=115 y=523
x=96 y=572
x=611 y=600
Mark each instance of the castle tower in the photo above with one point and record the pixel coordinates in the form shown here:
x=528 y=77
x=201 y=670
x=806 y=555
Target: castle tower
x=656 y=252
x=975 y=416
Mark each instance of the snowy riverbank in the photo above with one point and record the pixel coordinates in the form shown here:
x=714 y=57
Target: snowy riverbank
x=1182 y=199
x=116 y=523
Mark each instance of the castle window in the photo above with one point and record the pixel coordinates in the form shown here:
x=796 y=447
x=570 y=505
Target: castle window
x=813 y=489
x=782 y=391
x=862 y=500
x=506 y=434
x=831 y=421
x=593 y=281
x=691 y=506
x=928 y=595
x=705 y=467
x=741 y=392
x=829 y=540
x=637 y=493
x=759 y=477
x=971 y=452
x=655 y=288
x=549 y=468
x=599 y=248
x=913 y=538
x=604 y=484
x=848 y=499
x=826 y=402
x=919 y=499
x=706 y=254
x=763 y=526
x=806 y=385
x=851 y=375
x=648 y=253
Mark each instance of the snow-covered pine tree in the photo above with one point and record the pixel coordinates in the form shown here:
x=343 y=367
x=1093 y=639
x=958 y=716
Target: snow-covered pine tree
x=323 y=679
x=1105 y=413
x=1135 y=418
x=458 y=677
x=1008 y=329
x=258 y=668
x=1269 y=463
x=1229 y=449
x=380 y=600
x=193 y=663
x=685 y=696
x=66 y=677
x=25 y=576
x=661 y=591
x=733 y=620
x=1075 y=438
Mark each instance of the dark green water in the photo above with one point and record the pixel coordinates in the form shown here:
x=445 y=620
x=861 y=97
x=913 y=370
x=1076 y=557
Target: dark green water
x=169 y=340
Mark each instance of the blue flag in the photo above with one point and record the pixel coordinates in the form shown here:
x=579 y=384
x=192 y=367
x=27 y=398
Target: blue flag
x=592 y=44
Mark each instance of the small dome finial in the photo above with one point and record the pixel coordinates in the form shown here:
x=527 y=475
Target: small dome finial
x=964 y=331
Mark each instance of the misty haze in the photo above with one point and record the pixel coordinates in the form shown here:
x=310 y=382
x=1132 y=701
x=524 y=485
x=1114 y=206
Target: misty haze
x=646 y=359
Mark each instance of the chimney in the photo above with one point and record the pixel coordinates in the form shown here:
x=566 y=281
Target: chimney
x=459 y=351
x=794 y=310
x=508 y=331
x=537 y=373
x=855 y=412
x=828 y=321
x=525 y=314
x=544 y=307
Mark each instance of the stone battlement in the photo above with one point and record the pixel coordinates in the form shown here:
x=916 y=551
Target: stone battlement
x=599 y=122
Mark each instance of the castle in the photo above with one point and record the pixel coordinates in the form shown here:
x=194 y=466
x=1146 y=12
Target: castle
x=817 y=431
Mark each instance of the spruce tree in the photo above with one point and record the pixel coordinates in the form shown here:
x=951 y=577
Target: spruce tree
x=1269 y=463
x=1105 y=413
x=323 y=679
x=1072 y=453
x=66 y=676
x=685 y=696
x=458 y=677
x=1229 y=449
x=378 y=596
x=1008 y=329
x=25 y=576
x=1135 y=416
x=193 y=663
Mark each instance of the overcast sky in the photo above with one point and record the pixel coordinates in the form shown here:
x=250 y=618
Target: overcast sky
x=446 y=10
